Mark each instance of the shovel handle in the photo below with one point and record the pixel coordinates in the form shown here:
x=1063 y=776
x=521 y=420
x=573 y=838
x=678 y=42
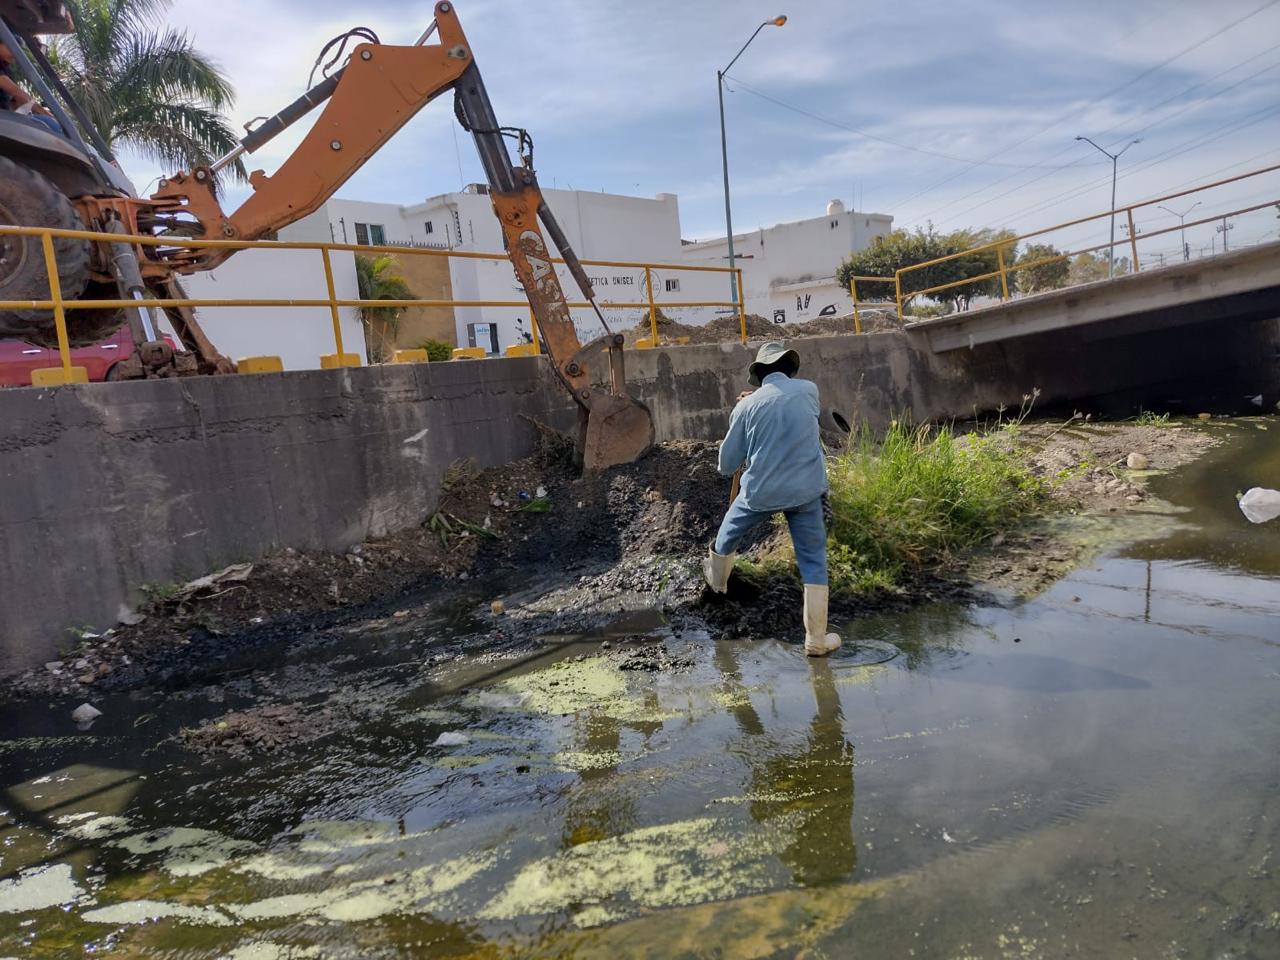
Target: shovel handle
x=734 y=484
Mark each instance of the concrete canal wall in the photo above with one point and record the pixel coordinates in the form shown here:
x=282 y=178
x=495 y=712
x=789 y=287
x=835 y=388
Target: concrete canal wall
x=105 y=487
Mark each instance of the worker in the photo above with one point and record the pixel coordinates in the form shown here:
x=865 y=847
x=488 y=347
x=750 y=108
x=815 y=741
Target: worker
x=13 y=97
x=773 y=439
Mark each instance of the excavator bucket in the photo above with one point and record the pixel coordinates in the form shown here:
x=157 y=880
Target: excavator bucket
x=618 y=430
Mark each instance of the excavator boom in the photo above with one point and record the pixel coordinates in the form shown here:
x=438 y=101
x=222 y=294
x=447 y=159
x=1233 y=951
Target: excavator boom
x=381 y=88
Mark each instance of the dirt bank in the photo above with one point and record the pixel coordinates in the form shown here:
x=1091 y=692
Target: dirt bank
x=729 y=329
x=529 y=550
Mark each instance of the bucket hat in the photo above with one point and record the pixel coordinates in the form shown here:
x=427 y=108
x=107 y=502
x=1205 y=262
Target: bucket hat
x=769 y=354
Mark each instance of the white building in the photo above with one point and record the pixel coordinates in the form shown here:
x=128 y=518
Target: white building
x=599 y=226
x=299 y=336
x=789 y=270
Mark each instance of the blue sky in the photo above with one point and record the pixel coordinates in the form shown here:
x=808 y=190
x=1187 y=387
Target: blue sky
x=621 y=96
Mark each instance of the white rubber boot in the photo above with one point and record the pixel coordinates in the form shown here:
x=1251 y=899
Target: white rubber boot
x=817 y=642
x=716 y=569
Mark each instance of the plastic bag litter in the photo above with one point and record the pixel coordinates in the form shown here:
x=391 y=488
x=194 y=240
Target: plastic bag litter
x=1260 y=505
x=451 y=738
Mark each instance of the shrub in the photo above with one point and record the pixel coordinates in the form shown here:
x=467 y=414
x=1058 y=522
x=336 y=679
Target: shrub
x=437 y=350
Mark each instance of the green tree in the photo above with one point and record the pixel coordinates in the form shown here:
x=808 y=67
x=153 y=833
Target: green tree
x=903 y=248
x=1050 y=271
x=145 y=86
x=1086 y=268
x=376 y=279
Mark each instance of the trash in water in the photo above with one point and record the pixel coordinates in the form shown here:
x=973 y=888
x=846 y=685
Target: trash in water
x=1260 y=505
x=1137 y=461
x=451 y=738
x=85 y=714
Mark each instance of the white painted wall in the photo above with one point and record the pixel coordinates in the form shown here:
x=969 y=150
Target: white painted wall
x=788 y=270
x=599 y=226
x=298 y=335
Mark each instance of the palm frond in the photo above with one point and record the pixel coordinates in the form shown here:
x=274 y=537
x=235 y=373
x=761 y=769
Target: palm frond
x=167 y=66
x=176 y=134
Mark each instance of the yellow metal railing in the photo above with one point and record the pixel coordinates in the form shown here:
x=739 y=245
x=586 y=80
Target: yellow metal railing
x=67 y=373
x=853 y=294
x=999 y=246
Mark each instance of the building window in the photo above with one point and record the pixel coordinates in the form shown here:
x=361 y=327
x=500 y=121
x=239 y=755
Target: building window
x=371 y=234
x=673 y=286
x=430 y=227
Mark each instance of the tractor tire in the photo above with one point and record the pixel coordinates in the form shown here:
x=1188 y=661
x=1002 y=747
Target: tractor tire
x=27 y=199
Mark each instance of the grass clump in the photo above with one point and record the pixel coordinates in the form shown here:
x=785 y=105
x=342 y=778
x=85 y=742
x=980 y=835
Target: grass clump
x=918 y=497
x=1147 y=418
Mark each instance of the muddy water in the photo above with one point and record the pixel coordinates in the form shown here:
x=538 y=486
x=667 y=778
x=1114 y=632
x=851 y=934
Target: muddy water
x=1093 y=773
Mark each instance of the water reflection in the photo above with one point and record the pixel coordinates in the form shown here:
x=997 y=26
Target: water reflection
x=815 y=782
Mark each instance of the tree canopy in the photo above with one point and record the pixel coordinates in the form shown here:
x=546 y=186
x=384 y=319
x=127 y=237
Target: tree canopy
x=145 y=86
x=1046 y=268
x=906 y=248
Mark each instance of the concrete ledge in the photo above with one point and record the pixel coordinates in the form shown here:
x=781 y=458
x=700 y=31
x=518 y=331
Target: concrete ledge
x=1183 y=293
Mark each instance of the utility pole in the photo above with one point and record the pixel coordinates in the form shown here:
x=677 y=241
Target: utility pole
x=1111 y=250
x=1182 y=223
x=724 y=154
x=1222 y=228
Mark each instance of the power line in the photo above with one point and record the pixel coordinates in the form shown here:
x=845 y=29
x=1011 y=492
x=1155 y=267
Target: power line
x=1110 y=93
x=1177 y=150
x=1149 y=126
x=882 y=139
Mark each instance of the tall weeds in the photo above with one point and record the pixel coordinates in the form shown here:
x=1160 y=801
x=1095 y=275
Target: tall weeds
x=915 y=498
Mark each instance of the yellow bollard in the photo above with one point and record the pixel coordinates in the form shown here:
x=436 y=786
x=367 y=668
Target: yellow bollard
x=415 y=355
x=335 y=361
x=469 y=353
x=521 y=350
x=259 y=365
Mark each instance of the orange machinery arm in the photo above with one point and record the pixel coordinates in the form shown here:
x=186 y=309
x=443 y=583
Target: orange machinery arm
x=378 y=91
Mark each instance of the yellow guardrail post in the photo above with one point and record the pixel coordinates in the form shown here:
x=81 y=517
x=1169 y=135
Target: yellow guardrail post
x=897 y=292
x=853 y=293
x=1004 y=278
x=742 y=304
x=653 y=314
x=339 y=359
x=66 y=373
x=1133 y=240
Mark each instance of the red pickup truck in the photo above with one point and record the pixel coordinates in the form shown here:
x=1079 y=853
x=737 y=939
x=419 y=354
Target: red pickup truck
x=18 y=358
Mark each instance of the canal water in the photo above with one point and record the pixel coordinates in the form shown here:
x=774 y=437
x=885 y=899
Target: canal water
x=1092 y=773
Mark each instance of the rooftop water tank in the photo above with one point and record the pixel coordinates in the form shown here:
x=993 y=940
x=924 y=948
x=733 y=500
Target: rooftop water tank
x=835 y=207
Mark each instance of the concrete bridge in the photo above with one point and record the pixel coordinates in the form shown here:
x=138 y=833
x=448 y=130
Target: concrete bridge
x=1233 y=287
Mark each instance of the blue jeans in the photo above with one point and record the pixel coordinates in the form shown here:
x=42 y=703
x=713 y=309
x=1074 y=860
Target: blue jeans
x=50 y=122
x=808 y=535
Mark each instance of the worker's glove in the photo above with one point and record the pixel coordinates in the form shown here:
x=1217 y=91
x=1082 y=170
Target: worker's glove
x=828 y=516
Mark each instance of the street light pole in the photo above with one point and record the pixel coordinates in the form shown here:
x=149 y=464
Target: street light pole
x=1111 y=250
x=1182 y=225
x=724 y=154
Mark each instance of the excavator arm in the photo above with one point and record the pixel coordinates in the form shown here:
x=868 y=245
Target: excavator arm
x=379 y=90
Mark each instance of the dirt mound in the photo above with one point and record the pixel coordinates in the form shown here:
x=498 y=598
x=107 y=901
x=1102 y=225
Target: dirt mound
x=729 y=330
x=725 y=329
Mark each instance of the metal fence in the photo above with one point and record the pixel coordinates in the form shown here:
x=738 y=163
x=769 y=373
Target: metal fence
x=66 y=372
x=1003 y=269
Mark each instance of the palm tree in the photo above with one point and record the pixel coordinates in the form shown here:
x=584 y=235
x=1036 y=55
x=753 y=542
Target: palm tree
x=376 y=280
x=145 y=86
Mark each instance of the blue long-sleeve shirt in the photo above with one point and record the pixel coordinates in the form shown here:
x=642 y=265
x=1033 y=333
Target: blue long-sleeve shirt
x=773 y=435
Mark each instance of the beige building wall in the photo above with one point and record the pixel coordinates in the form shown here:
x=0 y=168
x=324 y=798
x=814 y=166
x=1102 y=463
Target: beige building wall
x=428 y=278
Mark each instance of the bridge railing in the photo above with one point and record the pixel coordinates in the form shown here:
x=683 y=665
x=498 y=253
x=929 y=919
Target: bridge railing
x=59 y=305
x=1002 y=248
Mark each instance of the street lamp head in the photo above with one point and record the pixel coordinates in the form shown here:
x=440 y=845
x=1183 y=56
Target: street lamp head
x=1079 y=138
x=779 y=20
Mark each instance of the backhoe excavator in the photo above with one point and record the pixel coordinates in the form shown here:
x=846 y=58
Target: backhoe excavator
x=73 y=181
